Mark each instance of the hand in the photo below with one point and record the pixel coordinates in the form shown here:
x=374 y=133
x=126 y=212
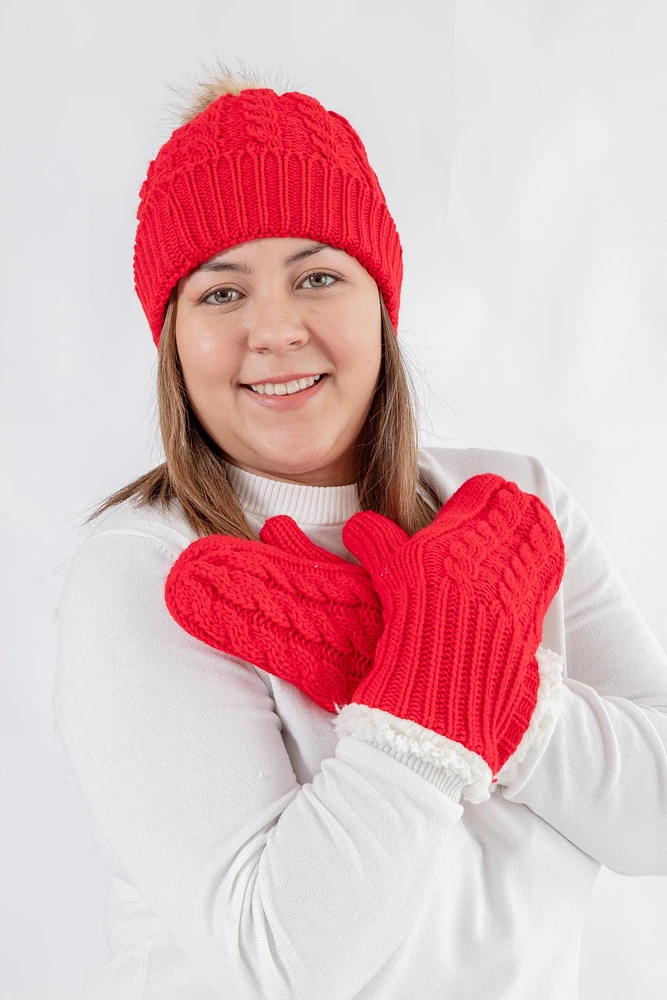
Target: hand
x=463 y=602
x=284 y=604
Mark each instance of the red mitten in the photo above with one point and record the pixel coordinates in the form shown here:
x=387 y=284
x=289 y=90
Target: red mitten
x=284 y=604
x=463 y=601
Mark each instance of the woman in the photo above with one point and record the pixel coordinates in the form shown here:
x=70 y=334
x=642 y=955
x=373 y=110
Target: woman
x=298 y=658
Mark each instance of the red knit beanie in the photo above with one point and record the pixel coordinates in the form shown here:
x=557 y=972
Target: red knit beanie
x=252 y=165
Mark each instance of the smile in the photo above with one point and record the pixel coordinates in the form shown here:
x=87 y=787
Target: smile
x=290 y=401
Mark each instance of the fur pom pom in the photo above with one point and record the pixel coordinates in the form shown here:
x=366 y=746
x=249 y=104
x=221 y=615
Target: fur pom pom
x=214 y=84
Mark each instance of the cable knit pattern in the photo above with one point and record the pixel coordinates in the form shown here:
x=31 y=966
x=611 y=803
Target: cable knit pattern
x=254 y=165
x=463 y=604
x=454 y=679
x=284 y=604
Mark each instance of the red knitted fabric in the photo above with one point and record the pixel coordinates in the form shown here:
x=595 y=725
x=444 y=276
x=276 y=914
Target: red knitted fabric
x=255 y=165
x=463 y=603
x=284 y=604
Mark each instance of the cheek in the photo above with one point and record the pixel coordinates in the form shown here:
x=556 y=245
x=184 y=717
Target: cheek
x=199 y=344
x=356 y=336
x=359 y=356
x=203 y=363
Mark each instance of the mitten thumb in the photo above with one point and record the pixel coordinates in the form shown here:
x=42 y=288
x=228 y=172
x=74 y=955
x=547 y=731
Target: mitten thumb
x=372 y=538
x=284 y=533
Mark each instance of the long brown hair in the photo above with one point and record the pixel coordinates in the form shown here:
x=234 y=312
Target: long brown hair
x=386 y=452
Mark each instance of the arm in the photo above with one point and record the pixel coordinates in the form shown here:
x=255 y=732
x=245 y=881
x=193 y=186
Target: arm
x=601 y=779
x=176 y=749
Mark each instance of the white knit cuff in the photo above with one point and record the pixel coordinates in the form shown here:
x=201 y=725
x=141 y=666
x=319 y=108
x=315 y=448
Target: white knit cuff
x=544 y=717
x=388 y=732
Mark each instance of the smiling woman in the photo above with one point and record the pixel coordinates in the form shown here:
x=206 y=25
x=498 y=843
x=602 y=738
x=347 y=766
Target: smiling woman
x=296 y=659
x=249 y=313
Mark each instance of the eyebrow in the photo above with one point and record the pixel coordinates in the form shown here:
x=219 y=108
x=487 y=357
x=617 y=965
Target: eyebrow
x=216 y=264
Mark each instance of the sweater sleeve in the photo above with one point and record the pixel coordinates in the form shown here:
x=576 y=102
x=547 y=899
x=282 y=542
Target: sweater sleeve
x=272 y=889
x=601 y=777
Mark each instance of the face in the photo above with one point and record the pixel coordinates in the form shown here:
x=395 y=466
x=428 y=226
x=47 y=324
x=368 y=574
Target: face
x=270 y=310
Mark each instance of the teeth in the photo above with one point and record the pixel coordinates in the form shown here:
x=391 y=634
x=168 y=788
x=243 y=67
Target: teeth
x=282 y=389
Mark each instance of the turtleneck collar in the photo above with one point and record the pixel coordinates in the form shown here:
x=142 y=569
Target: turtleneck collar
x=264 y=498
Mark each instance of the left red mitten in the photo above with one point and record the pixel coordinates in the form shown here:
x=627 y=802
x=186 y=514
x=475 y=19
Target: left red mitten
x=284 y=604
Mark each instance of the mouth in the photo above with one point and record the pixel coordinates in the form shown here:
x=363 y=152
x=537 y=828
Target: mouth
x=320 y=378
x=246 y=385
x=288 y=400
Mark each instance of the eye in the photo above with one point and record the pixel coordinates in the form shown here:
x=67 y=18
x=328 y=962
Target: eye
x=219 y=291
x=321 y=274
x=223 y=291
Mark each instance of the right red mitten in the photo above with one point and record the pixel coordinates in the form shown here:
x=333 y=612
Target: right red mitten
x=463 y=604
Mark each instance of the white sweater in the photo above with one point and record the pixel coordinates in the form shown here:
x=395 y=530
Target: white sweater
x=253 y=854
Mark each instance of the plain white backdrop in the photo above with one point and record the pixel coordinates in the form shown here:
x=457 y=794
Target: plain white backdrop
x=522 y=148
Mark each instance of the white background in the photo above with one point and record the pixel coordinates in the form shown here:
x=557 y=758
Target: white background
x=522 y=149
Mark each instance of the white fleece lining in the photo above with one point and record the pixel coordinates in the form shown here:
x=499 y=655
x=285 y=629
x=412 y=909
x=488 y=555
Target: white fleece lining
x=386 y=731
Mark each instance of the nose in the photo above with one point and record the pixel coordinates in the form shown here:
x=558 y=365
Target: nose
x=274 y=324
